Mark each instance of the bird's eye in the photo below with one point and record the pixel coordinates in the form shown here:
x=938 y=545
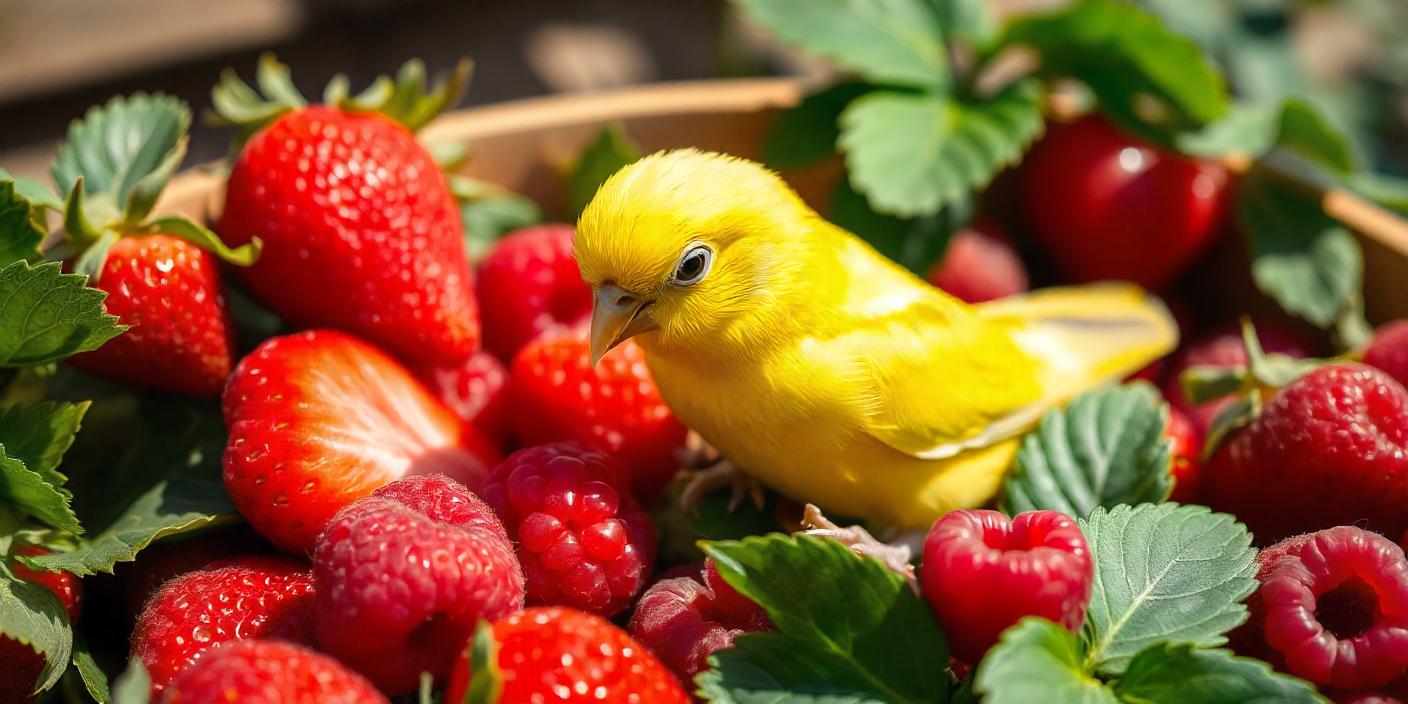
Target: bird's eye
x=693 y=266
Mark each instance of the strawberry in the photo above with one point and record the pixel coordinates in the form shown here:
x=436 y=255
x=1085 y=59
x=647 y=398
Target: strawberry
x=170 y=558
x=477 y=391
x=1185 y=457
x=360 y=229
x=980 y=265
x=1388 y=350
x=22 y=664
x=320 y=419
x=270 y=672
x=556 y=394
x=528 y=286
x=1221 y=348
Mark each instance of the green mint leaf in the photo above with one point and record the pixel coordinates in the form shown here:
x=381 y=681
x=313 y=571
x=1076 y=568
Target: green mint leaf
x=1171 y=674
x=601 y=158
x=24 y=490
x=1038 y=661
x=1126 y=56
x=33 y=616
x=46 y=315
x=133 y=686
x=915 y=243
x=95 y=681
x=40 y=434
x=1163 y=573
x=806 y=134
x=1106 y=448
x=864 y=617
x=20 y=237
x=37 y=193
x=913 y=153
x=1309 y=263
x=897 y=42
x=776 y=669
x=125 y=151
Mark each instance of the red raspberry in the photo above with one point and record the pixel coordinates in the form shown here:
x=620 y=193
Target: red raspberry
x=583 y=542
x=1185 y=457
x=529 y=285
x=269 y=672
x=684 y=621
x=982 y=573
x=1388 y=350
x=251 y=597
x=1222 y=349
x=1329 y=449
x=980 y=265
x=1332 y=608
x=1367 y=698
x=443 y=499
x=556 y=394
x=570 y=657
x=477 y=391
x=22 y=664
x=399 y=592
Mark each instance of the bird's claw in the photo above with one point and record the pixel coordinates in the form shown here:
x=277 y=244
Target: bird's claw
x=860 y=541
x=702 y=482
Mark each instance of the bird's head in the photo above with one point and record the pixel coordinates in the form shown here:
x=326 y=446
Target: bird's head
x=682 y=243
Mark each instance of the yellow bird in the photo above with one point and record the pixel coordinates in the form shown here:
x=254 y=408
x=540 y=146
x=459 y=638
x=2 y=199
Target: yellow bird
x=821 y=367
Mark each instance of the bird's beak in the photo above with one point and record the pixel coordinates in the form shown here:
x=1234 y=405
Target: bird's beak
x=617 y=316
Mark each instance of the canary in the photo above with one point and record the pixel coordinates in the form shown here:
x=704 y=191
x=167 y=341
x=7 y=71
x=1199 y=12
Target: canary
x=821 y=367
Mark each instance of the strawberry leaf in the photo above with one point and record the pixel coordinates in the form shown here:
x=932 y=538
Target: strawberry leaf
x=895 y=42
x=915 y=243
x=95 y=681
x=201 y=236
x=20 y=237
x=490 y=211
x=601 y=158
x=1107 y=447
x=487 y=684
x=1038 y=661
x=40 y=434
x=807 y=133
x=913 y=153
x=861 y=620
x=1169 y=674
x=25 y=491
x=767 y=667
x=134 y=685
x=1164 y=573
x=33 y=616
x=37 y=193
x=46 y=315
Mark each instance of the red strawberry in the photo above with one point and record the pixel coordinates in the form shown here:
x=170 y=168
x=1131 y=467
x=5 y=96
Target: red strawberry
x=1388 y=350
x=320 y=419
x=1185 y=457
x=556 y=394
x=477 y=391
x=1224 y=348
x=570 y=657
x=173 y=557
x=22 y=664
x=982 y=573
x=1107 y=206
x=684 y=621
x=1329 y=449
x=252 y=597
x=360 y=230
x=269 y=672
x=529 y=285
x=980 y=265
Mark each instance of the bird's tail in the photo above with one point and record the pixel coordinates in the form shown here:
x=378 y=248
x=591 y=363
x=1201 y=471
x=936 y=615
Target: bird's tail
x=1087 y=335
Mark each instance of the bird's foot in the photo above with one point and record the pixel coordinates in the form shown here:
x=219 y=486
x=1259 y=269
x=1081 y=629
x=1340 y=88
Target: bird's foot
x=722 y=473
x=895 y=556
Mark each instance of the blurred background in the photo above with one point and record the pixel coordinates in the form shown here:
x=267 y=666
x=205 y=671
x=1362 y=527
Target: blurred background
x=57 y=57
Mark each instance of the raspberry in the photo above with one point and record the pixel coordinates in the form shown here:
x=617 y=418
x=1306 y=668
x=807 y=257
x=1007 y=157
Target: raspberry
x=1224 y=348
x=22 y=664
x=562 y=655
x=684 y=621
x=251 y=597
x=1332 y=608
x=980 y=265
x=443 y=499
x=1388 y=350
x=399 y=592
x=582 y=540
x=269 y=672
x=1329 y=449
x=982 y=573
x=529 y=285
x=1185 y=457
x=477 y=391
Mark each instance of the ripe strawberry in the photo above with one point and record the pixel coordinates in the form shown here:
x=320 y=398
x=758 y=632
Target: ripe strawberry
x=684 y=621
x=570 y=657
x=1223 y=348
x=22 y=664
x=320 y=419
x=556 y=394
x=1388 y=350
x=980 y=265
x=1107 y=206
x=166 y=559
x=404 y=576
x=1329 y=449
x=1332 y=607
x=582 y=540
x=477 y=391
x=269 y=672
x=1185 y=457
x=360 y=229
x=251 y=597
x=529 y=285
x=982 y=573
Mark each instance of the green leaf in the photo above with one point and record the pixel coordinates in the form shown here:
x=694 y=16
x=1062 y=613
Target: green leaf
x=1388 y=191
x=1245 y=129
x=487 y=684
x=1107 y=447
x=36 y=192
x=807 y=133
x=40 y=434
x=1038 y=661
x=25 y=490
x=914 y=153
x=862 y=616
x=134 y=686
x=1309 y=263
x=1126 y=56
x=966 y=20
x=767 y=668
x=46 y=315
x=896 y=42
x=1172 y=674
x=95 y=681
x=33 y=616
x=1304 y=130
x=601 y=158
x=20 y=237
x=490 y=211
x=1163 y=573
x=201 y=236
x=915 y=243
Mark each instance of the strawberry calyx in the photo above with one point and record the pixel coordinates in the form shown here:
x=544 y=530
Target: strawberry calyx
x=486 y=680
